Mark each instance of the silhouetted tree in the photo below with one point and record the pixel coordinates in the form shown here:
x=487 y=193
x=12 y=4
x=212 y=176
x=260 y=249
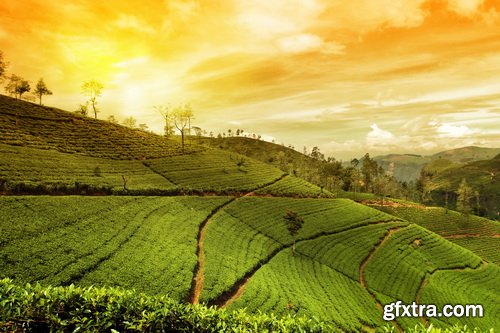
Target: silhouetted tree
x=41 y=89
x=112 y=119
x=17 y=86
x=82 y=110
x=293 y=223
x=182 y=116
x=3 y=66
x=92 y=89
x=143 y=127
x=130 y=122
x=166 y=113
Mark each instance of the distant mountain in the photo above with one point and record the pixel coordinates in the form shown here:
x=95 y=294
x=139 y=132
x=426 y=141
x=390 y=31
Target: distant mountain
x=407 y=167
x=481 y=176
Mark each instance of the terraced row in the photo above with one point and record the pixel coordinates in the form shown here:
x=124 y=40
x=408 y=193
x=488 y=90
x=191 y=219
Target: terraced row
x=478 y=234
x=149 y=244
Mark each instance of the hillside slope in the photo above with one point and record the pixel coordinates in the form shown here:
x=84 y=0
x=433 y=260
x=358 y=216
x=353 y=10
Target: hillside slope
x=407 y=167
x=48 y=151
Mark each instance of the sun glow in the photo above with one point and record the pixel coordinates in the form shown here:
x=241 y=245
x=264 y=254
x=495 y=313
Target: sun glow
x=266 y=65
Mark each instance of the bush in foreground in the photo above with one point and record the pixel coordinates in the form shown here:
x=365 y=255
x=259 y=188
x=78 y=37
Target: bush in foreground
x=34 y=308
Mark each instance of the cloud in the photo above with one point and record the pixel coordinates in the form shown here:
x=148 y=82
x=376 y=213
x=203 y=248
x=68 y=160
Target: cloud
x=465 y=7
x=301 y=43
x=379 y=135
x=452 y=131
x=126 y=21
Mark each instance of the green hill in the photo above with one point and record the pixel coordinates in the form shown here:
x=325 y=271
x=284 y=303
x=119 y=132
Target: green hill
x=407 y=167
x=46 y=150
x=228 y=245
x=481 y=176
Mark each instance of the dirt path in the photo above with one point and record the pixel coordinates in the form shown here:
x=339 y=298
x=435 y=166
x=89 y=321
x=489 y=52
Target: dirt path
x=365 y=261
x=370 y=255
x=199 y=270
x=239 y=286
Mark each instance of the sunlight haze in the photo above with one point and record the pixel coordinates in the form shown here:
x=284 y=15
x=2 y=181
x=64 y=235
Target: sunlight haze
x=350 y=77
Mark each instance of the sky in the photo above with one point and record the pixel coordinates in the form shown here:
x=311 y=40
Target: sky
x=357 y=76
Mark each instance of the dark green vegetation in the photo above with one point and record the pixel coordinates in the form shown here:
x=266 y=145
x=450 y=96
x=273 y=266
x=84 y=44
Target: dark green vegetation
x=481 y=176
x=478 y=234
x=407 y=167
x=346 y=253
x=234 y=251
x=42 y=309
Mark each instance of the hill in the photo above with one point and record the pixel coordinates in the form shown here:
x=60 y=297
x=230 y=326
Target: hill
x=481 y=176
x=407 y=167
x=219 y=238
x=236 y=253
x=46 y=150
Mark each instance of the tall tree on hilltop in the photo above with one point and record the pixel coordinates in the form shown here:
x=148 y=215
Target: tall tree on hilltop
x=17 y=86
x=3 y=66
x=92 y=89
x=369 y=170
x=167 y=115
x=465 y=194
x=130 y=122
x=41 y=89
x=182 y=116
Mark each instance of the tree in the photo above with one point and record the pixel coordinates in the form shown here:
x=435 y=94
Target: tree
x=92 y=89
x=3 y=66
x=465 y=194
x=41 y=89
x=130 y=122
x=166 y=113
x=17 y=86
x=182 y=116
x=294 y=223
x=143 y=127
x=354 y=175
x=82 y=110
x=112 y=119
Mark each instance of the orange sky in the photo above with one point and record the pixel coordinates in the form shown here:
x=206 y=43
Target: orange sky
x=351 y=76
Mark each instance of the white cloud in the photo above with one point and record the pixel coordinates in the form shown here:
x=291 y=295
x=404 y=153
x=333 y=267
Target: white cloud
x=126 y=21
x=465 y=7
x=300 y=43
x=378 y=134
x=452 y=131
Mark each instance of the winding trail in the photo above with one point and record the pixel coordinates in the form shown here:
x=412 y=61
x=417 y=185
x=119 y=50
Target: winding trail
x=199 y=270
x=370 y=255
x=365 y=261
x=234 y=292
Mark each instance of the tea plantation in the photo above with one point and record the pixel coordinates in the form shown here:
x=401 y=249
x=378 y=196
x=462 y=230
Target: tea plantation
x=105 y=228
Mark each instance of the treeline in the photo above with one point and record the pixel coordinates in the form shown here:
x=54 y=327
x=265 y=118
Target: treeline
x=16 y=86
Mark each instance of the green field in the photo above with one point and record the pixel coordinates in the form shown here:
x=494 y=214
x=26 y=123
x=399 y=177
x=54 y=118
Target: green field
x=172 y=229
x=477 y=234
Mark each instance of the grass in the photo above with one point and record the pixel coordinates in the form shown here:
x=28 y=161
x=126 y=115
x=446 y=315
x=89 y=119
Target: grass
x=131 y=244
x=475 y=233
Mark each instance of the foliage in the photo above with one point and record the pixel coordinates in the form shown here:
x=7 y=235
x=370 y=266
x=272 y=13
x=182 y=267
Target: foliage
x=400 y=264
x=41 y=90
x=251 y=230
x=291 y=186
x=92 y=90
x=34 y=308
x=29 y=125
x=474 y=233
x=17 y=86
x=125 y=241
x=464 y=197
